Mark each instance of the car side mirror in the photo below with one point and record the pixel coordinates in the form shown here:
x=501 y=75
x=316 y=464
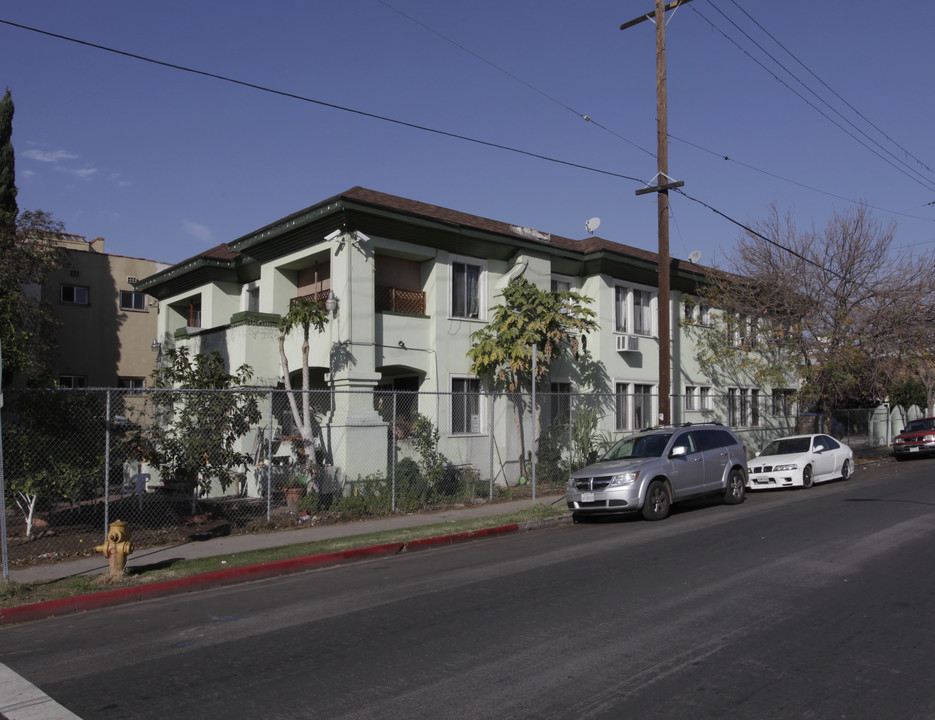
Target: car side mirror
x=679 y=451
x=819 y=448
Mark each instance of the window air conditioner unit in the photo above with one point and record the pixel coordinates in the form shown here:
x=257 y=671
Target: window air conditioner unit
x=628 y=343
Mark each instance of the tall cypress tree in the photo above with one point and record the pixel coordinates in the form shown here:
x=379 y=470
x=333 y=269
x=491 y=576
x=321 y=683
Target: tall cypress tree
x=8 y=208
x=27 y=254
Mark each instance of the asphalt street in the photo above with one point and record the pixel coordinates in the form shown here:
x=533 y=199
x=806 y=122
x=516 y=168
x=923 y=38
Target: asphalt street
x=795 y=604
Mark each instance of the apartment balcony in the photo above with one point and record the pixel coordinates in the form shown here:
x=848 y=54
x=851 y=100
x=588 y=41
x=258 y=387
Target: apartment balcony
x=318 y=297
x=398 y=300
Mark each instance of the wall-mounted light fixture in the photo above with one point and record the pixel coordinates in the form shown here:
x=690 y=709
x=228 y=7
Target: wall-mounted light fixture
x=155 y=345
x=331 y=304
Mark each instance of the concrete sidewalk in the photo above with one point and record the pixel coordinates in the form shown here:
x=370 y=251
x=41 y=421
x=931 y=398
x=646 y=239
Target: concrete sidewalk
x=229 y=545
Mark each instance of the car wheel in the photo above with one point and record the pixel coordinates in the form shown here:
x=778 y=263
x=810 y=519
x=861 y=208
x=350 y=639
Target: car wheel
x=846 y=470
x=657 y=503
x=736 y=491
x=807 y=479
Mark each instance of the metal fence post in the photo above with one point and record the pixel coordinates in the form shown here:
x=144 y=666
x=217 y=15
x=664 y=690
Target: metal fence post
x=533 y=438
x=490 y=427
x=107 y=466
x=3 y=540
x=393 y=456
x=269 y=462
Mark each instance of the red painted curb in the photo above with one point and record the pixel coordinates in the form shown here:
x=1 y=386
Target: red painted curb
x=216 y=578
x=460 y=537
x=229 y=576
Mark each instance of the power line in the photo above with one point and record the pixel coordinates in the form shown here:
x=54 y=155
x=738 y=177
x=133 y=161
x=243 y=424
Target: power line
x=322 y=103
x=518 y=79
x=830 y=89
x=750 y=230
x=558 y=102
x=920 y=180
x=796 y=182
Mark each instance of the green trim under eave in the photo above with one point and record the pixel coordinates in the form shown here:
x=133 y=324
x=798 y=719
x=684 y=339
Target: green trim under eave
x=249 y=317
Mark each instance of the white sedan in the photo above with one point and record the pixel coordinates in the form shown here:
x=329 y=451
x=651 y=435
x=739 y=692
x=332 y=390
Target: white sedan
x=800 y=461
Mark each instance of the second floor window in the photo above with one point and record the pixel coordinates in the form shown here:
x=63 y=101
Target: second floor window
x=252 y=298
x=466 y=289
x=130 y=300
x=194 y=314
x=74 y=295
x=634 y=311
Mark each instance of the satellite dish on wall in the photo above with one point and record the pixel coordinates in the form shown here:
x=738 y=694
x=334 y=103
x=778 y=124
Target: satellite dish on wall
x=694 y=257
x=592 y=224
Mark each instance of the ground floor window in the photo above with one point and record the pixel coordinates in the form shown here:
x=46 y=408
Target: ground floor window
x=783 y=402
x=635 y=405
x=465 y=406
x=743 y=407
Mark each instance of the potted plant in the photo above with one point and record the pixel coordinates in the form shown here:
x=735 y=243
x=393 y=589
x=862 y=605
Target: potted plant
x=294 y=488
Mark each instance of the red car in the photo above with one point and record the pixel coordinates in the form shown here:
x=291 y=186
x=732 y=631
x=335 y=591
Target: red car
x=916 y=438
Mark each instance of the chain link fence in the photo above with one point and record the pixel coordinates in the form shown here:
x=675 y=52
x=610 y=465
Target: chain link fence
x=187 y=464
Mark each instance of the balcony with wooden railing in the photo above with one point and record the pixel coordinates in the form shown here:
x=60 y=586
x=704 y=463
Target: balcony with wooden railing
x=398 y=300
x=318 y=297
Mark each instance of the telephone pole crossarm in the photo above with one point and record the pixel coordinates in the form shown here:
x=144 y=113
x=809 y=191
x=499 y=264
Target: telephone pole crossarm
x=650 y=16
x=661 y=188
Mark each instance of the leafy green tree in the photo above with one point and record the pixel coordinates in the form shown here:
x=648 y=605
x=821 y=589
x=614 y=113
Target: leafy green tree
x=27 y=254
x=54 y=448
x=303 y=315
x=502 y=350
x=908 y=392
x=202 y=414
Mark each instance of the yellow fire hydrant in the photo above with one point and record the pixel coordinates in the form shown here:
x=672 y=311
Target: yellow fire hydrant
x=117 y=547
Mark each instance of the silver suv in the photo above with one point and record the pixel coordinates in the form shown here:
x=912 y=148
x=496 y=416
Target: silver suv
x=656 y=467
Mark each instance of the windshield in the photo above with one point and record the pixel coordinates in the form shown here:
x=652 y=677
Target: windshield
x=639 y=446
x=787 y=446
x=918 y=425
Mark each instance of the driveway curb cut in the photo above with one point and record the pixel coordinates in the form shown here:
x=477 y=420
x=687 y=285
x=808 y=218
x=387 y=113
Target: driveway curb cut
x=232 y=576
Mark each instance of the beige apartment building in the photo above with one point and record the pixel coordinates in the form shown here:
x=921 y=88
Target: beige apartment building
x=108 y=331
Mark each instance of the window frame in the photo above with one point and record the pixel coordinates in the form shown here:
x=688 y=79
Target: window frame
x=481 y=266
x=629 y=409
x=134 y=296
x=629 y=309
x=475 y=391
x=250 y=296
x=697 y=312
x=75 y=294
x=782 y=402
x=743 y=407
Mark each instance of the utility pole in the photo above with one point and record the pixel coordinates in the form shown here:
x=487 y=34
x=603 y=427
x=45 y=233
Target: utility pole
x=661 y=188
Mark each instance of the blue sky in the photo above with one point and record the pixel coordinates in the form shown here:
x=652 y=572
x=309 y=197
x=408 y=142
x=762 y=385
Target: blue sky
x=164 y=163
